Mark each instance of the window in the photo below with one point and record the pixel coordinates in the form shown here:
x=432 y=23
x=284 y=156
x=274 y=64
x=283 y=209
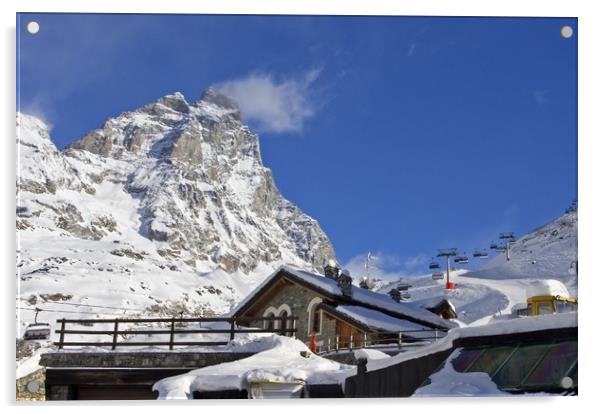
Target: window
x=315 y=325
x=491 y=358
x=519 y=365
x=544 y=308
x=524 y=367
x=562 y=306
x=271 y=324
x=555 y=366
x=314 y=317
x=463 y=361
x=283 y=314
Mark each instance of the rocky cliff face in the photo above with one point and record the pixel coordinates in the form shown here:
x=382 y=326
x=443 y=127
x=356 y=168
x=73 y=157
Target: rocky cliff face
x=173 y=187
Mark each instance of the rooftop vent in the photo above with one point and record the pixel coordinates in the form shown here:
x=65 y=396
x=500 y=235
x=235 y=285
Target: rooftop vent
x=367 y=283
x=395 y=295
x=331 y=270
x=345 y=283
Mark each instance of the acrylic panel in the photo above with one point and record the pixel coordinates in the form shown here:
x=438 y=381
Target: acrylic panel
x=295 y=206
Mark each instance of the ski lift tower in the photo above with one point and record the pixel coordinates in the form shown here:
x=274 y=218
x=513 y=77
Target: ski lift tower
x=447 y=253
x=507 y=238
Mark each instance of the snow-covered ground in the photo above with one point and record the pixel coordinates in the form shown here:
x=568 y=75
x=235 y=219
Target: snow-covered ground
x=449 y=383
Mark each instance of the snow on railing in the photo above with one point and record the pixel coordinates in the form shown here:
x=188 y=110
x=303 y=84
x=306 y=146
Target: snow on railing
x=176 y=326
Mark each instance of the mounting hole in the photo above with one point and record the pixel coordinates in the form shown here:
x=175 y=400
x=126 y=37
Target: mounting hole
x=33 y=27
x=566 y=32
x=566 y=382
x=33 y=386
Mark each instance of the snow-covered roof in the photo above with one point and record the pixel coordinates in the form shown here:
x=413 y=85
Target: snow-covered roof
x=282 y=362
x=359 y=296
x=548 y=287
x=433 y=301
x=378 y=320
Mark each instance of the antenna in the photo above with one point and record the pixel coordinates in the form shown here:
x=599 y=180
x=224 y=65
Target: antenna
x=367 y=265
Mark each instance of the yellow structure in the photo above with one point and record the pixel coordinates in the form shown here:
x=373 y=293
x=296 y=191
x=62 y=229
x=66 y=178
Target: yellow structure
x=545 y=304
x=545 y=297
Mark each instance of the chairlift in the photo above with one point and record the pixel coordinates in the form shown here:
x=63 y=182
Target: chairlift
x=478 y=254
x=403 y=286
x=434 y=265
x=37 y=330
x=493 y=246
x=438 y=275
x=461 y=259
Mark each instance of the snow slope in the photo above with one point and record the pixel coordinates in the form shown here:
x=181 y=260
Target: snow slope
x=490 y=291
x=549 y=251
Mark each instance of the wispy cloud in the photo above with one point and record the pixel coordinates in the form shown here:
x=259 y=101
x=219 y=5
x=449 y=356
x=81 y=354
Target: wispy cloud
x=411 y=50
x=386 y=266
x=276 y=105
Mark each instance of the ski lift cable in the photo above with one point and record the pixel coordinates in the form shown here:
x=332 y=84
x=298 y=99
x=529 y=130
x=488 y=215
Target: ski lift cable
x=88 y=306
x=66 y=311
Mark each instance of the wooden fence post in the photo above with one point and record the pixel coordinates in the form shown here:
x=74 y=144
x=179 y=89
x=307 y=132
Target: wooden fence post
x=62 y=336
x=336 y=344
x=115 y=329
x=365 y=340
x=232 y=326
x=294 y=335
x=350 y=342
x=172 y=333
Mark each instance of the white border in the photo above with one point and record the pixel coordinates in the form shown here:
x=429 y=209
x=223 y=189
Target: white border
x=590 y=156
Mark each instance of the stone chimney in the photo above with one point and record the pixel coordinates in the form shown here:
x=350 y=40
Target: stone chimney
x=367 y=283
x=345 y=283
x=395 y=295
x=331 y=270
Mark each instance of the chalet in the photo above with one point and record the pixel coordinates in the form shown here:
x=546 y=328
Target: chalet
x=339 y=313
x=438 y=305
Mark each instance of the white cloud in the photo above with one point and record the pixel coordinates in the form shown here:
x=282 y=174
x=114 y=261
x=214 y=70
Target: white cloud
x=37 y=106
x=386 y=267
x=275 y=105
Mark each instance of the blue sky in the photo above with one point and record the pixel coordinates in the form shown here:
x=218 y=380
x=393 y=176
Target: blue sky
x=400 y=135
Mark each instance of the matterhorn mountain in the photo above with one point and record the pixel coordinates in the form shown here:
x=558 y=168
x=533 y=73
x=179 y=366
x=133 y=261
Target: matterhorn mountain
x=165 y=208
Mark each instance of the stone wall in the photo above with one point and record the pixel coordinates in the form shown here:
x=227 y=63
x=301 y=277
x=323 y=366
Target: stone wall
x=298 y=299
x=37 y=379
x=172 y=359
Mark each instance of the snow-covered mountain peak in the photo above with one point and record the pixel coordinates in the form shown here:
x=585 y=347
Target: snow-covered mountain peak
x=168 y=189
x=175 y=101
x=214 y=96
x=33 y=132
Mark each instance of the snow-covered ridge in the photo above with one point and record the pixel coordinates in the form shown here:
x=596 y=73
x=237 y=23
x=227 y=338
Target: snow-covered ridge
x=165 y=208
x=549 y=251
